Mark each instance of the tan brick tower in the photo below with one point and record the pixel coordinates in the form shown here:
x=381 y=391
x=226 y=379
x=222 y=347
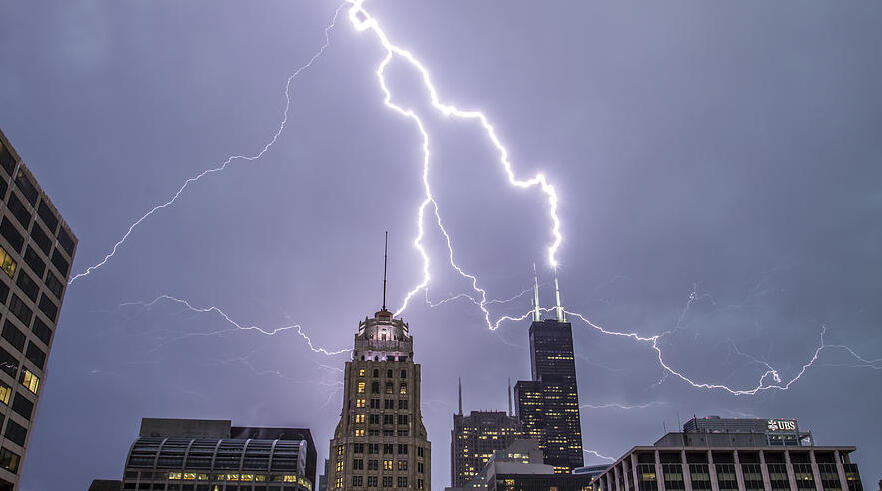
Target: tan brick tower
x=380 y=442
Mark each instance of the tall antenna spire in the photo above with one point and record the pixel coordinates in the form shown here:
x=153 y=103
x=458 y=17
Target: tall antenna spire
x=385 y=264
x=560 y=311
x=509 y=397
x=460 y=396
x=535 y=295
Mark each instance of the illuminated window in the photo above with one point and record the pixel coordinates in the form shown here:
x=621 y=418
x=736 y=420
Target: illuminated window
x=6 y=263
x=293 y=478
x=359 y=403
x=232 y=477
x=361 y=372
x=190 y=476
x=402 y=465
x=359 y=432
x=5 y=392
x=338 y=483
x=174 y=475
x=403 y=389
x=203 y=477
x=361 y=387
x=340 y=466
x=387 y=465
x=260 y=477
x=358 y=418
x=29 y=380
x=389 y=387
x=339 y=450
x=246 y=477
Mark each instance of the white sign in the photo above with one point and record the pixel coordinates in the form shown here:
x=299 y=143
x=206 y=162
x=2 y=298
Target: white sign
x=782 y=425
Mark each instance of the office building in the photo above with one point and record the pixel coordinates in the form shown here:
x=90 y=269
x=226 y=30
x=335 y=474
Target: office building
x=548 y=405
x=732 y=457
x=380 y=441
x=520 y=467
x=783 y=432
x=105 y=485
x=475 y=437
x=323 y=478
x=36 y=252
x=212 y=455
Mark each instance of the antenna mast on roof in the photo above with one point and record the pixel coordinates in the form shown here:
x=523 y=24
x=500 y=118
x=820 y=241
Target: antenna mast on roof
x=385 y=265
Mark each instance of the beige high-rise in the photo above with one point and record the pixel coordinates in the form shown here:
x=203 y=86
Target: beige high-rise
x=380 y=441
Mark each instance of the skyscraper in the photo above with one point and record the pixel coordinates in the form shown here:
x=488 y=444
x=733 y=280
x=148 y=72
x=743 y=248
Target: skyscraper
x=548 y=405
x=380 y=440
x=475 y=437
x=36 y=251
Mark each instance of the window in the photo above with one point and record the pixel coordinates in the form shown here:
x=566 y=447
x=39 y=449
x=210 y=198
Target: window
x=359 y=403
x=54 y=285
x=359 y=432
x=373 y=465
x=402 y=465
x=9 y=460
x=376 y=372
x=375 y=404
x=26 y=187
x=419 y=451
x=375 y=387
x=402 y=404
x=389 y=373
x=419 y=484
x=37 y=356
x=374 y=419
x=33 y=260
x=8 y=163
x=373 y=448
x=339 y=450
x=387 y=465
x=340 y=465
x=357 y=464
x=8 y=231
x=48 y=307
x=5 y=393
x=13 y=335
x=18 y=210
x=4 y=292
x=42 y=331
x=402 y=481
x=372 y=481
x=402 y=390
x=357 y=481
x=41 y=239
x=6 y=263
x=22 y=311
x=361 y=387
x=361 y=372
x=404 y=374
x=402 y=448
x=66 y=241
x=389 y=387
x=403 y=432
x=388 y=448
x=47 y=216
x=338 y=483
x=358 y=418
x=388 y=419
x=402 y=419
x=29 y=380
x=16 y=432
x=387 y=481
x=60 y=262
x=8 y=363
x=420 y=467
x=388 y=404
x=27 y=285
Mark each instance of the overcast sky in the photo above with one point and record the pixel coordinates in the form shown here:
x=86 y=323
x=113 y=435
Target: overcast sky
x=725 y=152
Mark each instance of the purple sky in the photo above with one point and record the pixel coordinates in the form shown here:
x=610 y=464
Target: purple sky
x=730 y=152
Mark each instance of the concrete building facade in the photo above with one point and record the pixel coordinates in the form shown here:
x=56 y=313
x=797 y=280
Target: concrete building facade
x=380 y=441
x=37 y=249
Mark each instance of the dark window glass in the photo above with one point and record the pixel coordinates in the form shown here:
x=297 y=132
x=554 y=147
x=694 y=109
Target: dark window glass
x=3 y=188
x=60 y=262
x=388 y=419
x=22 y=311
x=23 y=406
x=54 y=285
x=8 y=231
x=19 y=211
x=43 y=332
x=36 y=355
x=6 y=159
x=375 y=387
x=66 y=241
x=402 y=448
x=9 y=460
x=402 y=419
x=16 y=432
x=26 y=187
x=48 y=216
x=48 y=307
x=41 y=239
x=4 y=292
x=35 y=262
x=13 y=335
x=27 y=285
x=8 y=363
x=388 y=448
x=402 y=404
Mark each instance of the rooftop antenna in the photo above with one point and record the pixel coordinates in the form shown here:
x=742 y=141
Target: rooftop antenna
x=535 y=295
x=460 y=396
x=509 y=396
x=560 y=311
x=385 y=264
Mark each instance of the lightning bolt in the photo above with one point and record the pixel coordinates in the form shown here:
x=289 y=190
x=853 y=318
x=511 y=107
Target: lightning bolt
x=225 y=163
x=600 y=455
x=625 y=407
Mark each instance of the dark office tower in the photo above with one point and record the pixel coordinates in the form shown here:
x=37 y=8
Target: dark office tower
x=548 y=405
x=475 y=437
x=36 y=251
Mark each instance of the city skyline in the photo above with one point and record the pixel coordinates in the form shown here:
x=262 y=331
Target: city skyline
x=715 y=184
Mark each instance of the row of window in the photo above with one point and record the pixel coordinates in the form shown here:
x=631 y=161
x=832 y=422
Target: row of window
x=387 y=403
x=207 y=487
x=375 y=388
x=32 y=259
x=9 y=364
x=374 y=419
x=372 y=482
x=376 y=373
